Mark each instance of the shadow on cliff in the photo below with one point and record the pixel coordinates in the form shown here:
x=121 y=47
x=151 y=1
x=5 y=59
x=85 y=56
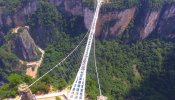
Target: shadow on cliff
x=158 y=85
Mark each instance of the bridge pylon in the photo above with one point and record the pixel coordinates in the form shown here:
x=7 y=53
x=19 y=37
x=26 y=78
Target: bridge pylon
x=25 y=92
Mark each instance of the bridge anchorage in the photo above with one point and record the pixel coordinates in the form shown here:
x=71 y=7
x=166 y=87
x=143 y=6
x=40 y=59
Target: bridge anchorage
x=26 y=93
x=77 y=91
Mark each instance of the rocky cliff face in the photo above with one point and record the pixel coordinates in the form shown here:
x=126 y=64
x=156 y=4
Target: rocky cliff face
x=149 y=23
x=110 y=24
x=73 y=7
x=24 y=46
x=114 y=23
x=18 y=18
x=166 y=24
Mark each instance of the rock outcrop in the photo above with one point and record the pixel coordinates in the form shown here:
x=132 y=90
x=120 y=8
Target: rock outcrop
x=114 y=23
x=88 y=16
x=110 y=24
x=73 y=7
x=19 y=18
x=166 y=25
x=24 y=46
x=150 y=23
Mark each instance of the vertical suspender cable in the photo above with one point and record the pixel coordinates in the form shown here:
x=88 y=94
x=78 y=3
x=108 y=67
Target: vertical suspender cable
x=61 y=60
x=99 y=87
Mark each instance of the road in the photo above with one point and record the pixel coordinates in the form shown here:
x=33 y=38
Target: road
x=51 y=96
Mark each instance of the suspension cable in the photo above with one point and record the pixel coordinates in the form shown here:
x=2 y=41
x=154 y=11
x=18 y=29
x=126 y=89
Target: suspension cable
x=61 y=60
x=99 y=87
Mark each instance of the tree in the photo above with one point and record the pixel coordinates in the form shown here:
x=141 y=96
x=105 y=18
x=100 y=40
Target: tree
x=14 y=80
x=10 y=89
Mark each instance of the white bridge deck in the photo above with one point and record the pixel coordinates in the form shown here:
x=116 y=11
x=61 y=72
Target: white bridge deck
x=78 y=88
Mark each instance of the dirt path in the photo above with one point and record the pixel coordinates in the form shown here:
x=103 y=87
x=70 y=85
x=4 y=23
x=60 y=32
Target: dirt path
x=32 y=67
x=52 y=96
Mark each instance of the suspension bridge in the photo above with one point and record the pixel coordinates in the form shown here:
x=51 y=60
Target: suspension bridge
x=77 y=91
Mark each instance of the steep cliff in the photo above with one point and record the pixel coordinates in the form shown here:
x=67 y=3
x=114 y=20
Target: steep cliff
x=18 y=17
x=114 y=23
x=23 y=45
x=110 y=24
x=150 y=23
x=15 y=18
x=73 y=7
x=166 y=27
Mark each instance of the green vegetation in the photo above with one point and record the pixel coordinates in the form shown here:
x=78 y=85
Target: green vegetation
x=116 y=61
x=10 y=89
x=89 y=3
x=54 y=54
x=73 y=25
x=14 y=80
x=157 y=4
x=9 y=63
x=123 y=4
x=53 y=24
x=42 y=86
x=46 y=16
x=9 y=59
x=113 y=4
x=21 y=30
x=56 y=41
x=119 y=78
x=47 y=19
x=120 y=4
x=91 y=87
x=10 y=5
